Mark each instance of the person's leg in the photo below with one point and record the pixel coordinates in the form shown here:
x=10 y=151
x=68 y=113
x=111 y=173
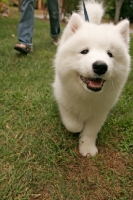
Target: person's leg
x=54 y=14
x=26 y=24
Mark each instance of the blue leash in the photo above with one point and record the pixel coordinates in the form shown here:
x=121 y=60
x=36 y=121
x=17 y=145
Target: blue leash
x=85 y=12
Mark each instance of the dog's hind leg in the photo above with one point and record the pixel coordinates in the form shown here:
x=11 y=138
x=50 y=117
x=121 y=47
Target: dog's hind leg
x=70 y=121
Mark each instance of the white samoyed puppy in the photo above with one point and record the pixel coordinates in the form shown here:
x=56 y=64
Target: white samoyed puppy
x=92 y=64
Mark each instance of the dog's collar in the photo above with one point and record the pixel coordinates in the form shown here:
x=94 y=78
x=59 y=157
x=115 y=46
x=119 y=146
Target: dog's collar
x=85 y=12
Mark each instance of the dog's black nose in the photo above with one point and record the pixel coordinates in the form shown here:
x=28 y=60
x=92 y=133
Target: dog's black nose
x=100 y=67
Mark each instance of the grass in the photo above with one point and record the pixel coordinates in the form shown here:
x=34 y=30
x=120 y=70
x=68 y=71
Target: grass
x=39 y=158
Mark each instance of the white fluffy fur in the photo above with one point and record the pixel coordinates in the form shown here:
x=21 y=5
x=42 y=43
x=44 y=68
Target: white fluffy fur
x=81 y=109
x=94 y=9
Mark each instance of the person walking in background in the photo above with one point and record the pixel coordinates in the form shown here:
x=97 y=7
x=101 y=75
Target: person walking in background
x=26 y=25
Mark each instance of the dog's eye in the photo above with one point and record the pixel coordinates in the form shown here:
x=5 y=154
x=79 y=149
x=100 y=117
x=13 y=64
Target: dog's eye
x=110 y=54
x=85 y=51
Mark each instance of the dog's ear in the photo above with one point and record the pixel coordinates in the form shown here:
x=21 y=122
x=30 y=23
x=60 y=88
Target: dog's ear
x=123 y=28
x=73 y=25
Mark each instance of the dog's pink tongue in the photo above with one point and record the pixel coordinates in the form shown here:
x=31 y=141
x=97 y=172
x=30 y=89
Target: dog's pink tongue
x=95 y=83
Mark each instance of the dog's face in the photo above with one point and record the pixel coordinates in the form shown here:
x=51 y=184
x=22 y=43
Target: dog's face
x=94 y=55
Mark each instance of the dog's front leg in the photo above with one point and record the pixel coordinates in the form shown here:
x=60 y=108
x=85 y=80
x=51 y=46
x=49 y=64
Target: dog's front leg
x=87 y=141
x=70 y=121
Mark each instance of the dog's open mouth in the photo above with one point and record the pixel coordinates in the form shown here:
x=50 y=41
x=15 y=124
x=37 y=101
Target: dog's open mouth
x=94 y=84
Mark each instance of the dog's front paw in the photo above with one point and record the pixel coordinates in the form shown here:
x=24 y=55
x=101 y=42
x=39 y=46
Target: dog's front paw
x=87 y=149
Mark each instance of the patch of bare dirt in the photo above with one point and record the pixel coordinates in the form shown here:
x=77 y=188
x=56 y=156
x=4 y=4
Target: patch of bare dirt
x=105 y=177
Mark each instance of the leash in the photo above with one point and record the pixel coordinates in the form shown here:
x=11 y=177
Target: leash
x=85 y=12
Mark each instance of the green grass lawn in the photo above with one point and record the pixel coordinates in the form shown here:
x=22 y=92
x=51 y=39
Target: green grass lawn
x=39 y=158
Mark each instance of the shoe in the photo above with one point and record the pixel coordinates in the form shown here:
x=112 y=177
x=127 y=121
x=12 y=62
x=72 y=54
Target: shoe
x=22 y=48
x=56 y=41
